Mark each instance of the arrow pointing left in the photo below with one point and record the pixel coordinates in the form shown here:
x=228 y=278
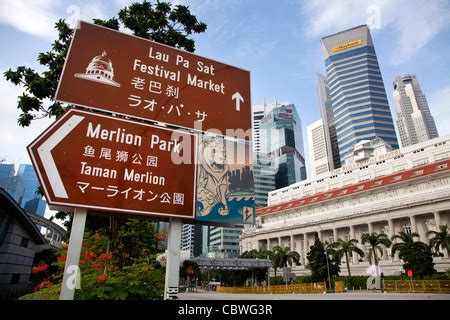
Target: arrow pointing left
x=48 y=162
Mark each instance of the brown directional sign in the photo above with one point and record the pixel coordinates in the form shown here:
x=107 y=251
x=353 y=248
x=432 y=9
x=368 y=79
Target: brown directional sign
x=113 y=71
x=99 y=162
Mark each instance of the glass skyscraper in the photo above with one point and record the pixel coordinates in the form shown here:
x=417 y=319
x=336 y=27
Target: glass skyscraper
x=358 y=96
x=282 y=142
x=6 y=170
x=414 y=120
x=31 y=200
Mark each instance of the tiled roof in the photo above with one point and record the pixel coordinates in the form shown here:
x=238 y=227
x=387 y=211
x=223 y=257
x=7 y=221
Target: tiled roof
x=376 y=183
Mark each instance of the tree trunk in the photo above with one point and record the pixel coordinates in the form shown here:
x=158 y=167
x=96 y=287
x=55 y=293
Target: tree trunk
x=376 y=260
x=348 y=264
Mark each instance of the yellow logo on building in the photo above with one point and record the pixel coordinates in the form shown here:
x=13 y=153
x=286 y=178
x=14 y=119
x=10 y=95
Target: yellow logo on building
x=347 y=45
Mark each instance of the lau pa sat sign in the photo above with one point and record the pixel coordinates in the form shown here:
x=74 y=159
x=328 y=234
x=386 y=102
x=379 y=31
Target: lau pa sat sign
x=99 y=162
x=123 y=74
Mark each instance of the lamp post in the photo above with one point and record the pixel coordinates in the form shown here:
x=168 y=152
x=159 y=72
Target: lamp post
x=328 y=268
x=326 y=257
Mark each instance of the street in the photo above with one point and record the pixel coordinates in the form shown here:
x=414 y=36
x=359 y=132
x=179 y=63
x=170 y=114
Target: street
x=364 y=295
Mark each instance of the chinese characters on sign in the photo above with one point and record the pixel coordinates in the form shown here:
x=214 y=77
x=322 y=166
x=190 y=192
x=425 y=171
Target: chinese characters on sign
x=116 y=165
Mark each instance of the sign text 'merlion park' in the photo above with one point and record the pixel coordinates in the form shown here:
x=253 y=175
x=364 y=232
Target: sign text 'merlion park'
x=105 y=163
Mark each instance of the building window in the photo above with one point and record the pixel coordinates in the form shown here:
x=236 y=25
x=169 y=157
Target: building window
x=15 y=278
x=407 y=229
x=377 y=183
x=440 y=167
x=24 y=242
x=431 y=225
x=417 y=173
x=420 y=162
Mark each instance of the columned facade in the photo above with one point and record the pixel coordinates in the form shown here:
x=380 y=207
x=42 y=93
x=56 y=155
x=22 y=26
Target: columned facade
x=398 y=195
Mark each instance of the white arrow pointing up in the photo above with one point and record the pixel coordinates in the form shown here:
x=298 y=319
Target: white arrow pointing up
x=237 y=96
x=48 y=163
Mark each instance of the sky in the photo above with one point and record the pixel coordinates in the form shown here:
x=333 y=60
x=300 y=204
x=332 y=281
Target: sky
x=278 y=41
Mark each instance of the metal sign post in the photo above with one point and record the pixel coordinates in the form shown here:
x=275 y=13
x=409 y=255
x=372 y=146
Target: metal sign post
x=71 y=278
x=173 y=260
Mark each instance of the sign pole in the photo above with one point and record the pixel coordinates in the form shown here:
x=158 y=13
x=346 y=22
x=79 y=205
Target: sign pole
x=173 y=260
x=71 y=278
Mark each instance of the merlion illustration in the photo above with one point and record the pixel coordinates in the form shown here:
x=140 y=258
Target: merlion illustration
x=213 y=185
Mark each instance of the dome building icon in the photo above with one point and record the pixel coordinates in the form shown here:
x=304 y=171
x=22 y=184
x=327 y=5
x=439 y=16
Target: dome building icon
x=100 y=70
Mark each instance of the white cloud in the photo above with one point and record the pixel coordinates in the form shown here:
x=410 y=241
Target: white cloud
x=256 y=47
x=412 y=23
x=14 y=139
x=439 y=103
x=36 y=17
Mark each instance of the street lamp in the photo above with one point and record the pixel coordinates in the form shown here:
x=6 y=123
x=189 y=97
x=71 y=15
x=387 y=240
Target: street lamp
x=328 y=268
x=326 y=257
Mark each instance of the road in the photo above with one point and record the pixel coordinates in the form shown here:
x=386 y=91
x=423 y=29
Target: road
x=364 y=295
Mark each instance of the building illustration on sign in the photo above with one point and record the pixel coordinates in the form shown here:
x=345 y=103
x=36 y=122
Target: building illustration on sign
x=225 y=191
x=100 y=70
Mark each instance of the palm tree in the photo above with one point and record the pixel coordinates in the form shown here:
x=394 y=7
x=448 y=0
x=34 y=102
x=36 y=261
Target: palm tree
x=264 y=254
x=346 y=248
x=417 y=256
x=284 y=257
x=440 y=240
x=408 y=241
x=252 y=254
x=375 y=241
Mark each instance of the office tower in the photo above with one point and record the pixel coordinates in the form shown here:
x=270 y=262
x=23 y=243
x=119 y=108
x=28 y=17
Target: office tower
x=358 y=97
x=223 y=242
x=36 y=206
x=30 y=182
x=14 y=186
x=326 y=114
x=414 y=120
x=264 y=171
x=318 y=152
x=192 y=239
x=281 y=140
x=6 y=170
x=205 y=240
x=258 y=112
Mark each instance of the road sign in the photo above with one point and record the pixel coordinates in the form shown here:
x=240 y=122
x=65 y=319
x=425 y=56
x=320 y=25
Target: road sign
x=409 y=272
x=123 y=74
x=100 y=162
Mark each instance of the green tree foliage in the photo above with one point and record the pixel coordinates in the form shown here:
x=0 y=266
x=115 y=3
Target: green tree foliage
x=189 y=270
x=416 y=254
x=376 y=242
x=259 y=274
x=347 y=249
x=120 y=270
x=317 y=262
x=440 y=240
x=159 y=22
x=163 y=24
x=282 y=257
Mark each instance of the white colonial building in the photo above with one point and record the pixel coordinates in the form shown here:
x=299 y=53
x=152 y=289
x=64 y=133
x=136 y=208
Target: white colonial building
x=406 y=189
